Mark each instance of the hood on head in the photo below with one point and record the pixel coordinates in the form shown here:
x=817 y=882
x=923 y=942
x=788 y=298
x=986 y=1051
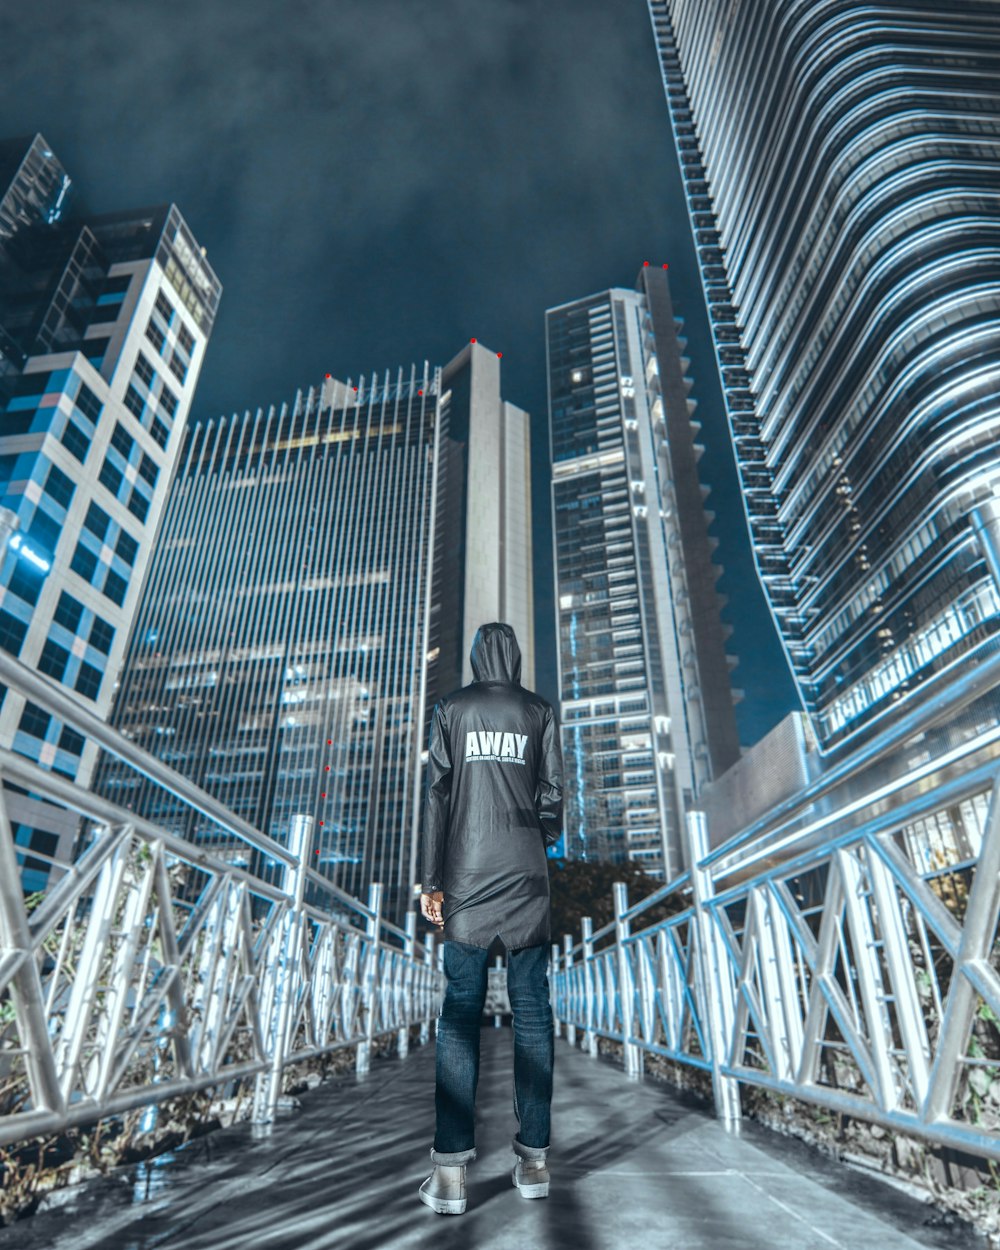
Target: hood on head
x=495 y=654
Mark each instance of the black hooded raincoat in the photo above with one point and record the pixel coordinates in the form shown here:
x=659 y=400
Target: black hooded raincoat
x=493 y=801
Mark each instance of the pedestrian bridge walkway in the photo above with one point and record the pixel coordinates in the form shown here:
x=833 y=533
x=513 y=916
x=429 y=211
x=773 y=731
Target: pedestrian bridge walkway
x=633 y=1164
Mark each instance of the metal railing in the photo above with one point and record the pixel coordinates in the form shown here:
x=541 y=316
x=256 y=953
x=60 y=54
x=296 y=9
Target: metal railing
x=815 y=960
x=153 y=967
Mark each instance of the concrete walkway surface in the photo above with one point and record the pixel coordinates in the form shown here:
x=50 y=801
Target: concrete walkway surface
x=634 y=1166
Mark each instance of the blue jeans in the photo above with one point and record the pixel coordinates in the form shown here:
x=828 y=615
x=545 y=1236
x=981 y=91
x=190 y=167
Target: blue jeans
x=457 y=1051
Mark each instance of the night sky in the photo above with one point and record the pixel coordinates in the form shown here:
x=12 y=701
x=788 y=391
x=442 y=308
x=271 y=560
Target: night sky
x=376 y=182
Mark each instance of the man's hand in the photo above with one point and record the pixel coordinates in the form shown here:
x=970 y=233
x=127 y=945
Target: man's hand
x=431 y=905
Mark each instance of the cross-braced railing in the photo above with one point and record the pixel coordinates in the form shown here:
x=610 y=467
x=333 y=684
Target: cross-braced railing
x=816 y=961
x=153 y=967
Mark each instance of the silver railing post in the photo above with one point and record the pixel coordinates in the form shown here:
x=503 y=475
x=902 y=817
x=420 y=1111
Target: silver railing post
x=976 y=944
x=568 y=974
x=589 y=1006
x=285 y=972
x=409 y=976
x=633 y=1056
x=715 y=982
x=440 y=969
x=29 y=1000
x=370 y=975
x=425 y=1025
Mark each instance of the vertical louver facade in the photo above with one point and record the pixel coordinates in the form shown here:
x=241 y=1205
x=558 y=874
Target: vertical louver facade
x=299 y=618
x=840 y=163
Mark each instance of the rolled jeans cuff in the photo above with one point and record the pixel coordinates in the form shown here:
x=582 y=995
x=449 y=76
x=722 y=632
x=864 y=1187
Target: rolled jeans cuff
x=453 y=1158
x=530 y=1152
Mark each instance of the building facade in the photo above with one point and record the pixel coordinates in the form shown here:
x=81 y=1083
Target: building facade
x=103 y=329
x=646 y=700
x=840 y=173
x=321 y=571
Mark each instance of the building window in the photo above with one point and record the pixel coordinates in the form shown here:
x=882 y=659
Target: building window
x=34 y=720
x=144 y=370
x=160 y=433
x=164 y=307
x=97 y=521
x=110 y=477
x=88 y=680
x=88 y=403
x=25 y=582
x=59 y=487
x=127 y=547
x=115 y=588
x=44 y=531
x=138 y=504
x=102 y=635
x=12 y=633
x=121 y=441
x=53 y=660
x=155 y=335
x=44 y=843
x=68 y=612
x=96 y=349
x=185 y=338
x=133 y=401
x=71 y=741
x=148 y=470
x=75 y=441
x=84 y=562
x=168 y=402
x=178 y=367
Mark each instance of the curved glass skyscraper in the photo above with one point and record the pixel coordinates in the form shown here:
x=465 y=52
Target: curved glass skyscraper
x=841 y=167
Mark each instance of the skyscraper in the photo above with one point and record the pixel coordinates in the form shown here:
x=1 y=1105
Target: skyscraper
x=321 y=571
x=103 y=328
x=840 y=170
x=647 y=706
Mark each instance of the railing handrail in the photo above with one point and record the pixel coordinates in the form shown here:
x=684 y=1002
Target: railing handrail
x=942 y=696
x=108 y=813
x=748 y=980
x=48 y=694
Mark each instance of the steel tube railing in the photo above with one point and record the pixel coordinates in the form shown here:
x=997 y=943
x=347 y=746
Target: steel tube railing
x=858 y=991
x=55 y=699
x=941 y=697
x=154 y=968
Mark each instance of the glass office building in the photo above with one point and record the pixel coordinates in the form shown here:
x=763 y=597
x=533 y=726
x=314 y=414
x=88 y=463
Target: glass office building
x=321 y=571
x=647 y=705
x=840 y=166
x=103 y=328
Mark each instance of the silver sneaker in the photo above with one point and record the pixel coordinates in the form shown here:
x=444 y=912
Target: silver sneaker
x=531 y=1178
x=444 y=1190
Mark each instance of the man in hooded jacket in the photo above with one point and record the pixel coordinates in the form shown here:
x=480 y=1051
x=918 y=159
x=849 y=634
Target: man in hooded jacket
x=493 y=804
